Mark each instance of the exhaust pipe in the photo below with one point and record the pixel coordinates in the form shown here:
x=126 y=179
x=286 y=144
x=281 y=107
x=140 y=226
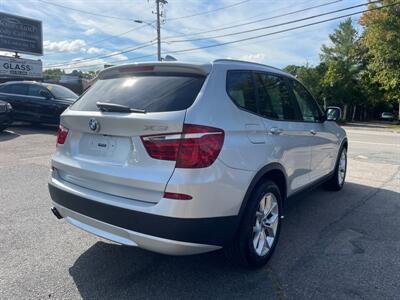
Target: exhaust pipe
x=56 y=213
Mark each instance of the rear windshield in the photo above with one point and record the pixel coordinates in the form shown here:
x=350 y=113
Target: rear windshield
x=149 y=92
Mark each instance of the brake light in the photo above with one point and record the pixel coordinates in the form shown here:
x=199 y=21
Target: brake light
x=196 y=146
x=61 y=134
x=177 y=196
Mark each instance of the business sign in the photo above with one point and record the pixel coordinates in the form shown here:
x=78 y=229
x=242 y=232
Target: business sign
x=11 y=67
x=20 y=34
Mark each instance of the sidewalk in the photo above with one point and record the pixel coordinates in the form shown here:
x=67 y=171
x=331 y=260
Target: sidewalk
x=373 y=126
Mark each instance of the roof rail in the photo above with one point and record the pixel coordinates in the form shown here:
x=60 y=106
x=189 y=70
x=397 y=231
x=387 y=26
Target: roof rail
x=244 y=61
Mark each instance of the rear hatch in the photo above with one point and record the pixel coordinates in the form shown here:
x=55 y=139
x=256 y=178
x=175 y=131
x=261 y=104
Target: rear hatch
x=104 y=150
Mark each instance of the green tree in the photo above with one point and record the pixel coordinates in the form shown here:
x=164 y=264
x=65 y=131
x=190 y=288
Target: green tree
x=311 y=77
x=381 y=39
x=52 y=74
x=342 y=77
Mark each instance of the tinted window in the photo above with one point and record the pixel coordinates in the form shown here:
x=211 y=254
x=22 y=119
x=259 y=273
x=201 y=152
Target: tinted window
x=240 y=88
x=308 y=107
x=35 y=89
x=61 y=92
x=275 y=100
x=152 y=93
x=5 y=88
x=18 y=88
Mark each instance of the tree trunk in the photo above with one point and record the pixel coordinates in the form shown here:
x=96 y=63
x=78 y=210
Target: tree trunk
x=365 y=113
x=354 y=113
x=344 y=117
x=398 y=117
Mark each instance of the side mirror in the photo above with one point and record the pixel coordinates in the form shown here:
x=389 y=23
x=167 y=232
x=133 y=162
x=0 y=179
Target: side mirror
x=45 y=94
x=333 y=113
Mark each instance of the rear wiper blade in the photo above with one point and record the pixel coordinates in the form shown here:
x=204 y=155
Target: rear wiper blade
x=113 y=107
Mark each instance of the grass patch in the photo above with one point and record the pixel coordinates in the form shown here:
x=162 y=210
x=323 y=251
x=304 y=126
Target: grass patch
x=395 y=126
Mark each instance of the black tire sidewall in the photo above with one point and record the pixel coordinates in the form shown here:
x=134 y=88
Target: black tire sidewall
x=337 y=183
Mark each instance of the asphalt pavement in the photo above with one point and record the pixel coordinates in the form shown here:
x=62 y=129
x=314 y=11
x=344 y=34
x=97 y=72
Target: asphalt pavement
x=333 y=244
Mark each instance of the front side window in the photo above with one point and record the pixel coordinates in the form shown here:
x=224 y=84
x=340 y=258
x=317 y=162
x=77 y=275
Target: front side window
x=61 y=92
x=275 y=100
x=240 y=88
x=35 y=90
x=150 y=92
x=308 y=107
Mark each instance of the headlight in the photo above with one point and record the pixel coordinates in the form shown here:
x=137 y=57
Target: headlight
x=9 y=106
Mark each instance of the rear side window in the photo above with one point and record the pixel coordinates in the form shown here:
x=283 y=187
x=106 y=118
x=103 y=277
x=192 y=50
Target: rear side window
x=240 y=88
x=275 y=99
x=149 y=92
x=18 y=89
x=5 y=88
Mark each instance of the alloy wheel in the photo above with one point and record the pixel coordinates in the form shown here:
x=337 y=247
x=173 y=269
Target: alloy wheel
x=266 y=224
x=342 y=167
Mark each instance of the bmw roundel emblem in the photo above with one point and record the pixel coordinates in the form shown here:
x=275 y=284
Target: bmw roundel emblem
x=94 y=125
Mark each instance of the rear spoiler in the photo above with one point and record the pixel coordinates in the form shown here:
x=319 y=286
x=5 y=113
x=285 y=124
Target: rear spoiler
x=170 y=67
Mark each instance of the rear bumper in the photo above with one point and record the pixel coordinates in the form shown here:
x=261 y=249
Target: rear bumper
x=168 y=235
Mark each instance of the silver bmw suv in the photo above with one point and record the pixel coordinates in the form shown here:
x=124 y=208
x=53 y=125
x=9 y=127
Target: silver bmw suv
x=182 y=158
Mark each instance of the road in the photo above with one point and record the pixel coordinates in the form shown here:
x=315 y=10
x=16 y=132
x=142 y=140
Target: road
x=333 y=245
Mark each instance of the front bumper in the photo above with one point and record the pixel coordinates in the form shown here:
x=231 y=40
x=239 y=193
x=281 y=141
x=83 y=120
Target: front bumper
x=6 y=118
x=163 y=234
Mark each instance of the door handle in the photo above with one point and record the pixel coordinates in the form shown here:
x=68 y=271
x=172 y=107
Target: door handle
x=313 y=132
x=275 y=130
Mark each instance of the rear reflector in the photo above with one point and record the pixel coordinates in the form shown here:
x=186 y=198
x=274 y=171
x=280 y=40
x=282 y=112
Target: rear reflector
x=61 y=134
x=196 y=147
x=177 y=196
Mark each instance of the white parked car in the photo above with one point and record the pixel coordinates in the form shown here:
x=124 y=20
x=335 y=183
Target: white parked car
x=182 y=158
x=387 y=116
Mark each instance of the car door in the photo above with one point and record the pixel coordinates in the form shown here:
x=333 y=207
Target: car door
x=324 y=141
x=17 y=95
x=284 y=129
x=42 y=103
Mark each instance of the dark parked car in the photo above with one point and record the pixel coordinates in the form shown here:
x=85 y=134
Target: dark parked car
x=5 y=115
x=36 y=102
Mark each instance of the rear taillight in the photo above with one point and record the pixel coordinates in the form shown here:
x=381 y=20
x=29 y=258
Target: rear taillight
x=61 y=135
x=196 y=147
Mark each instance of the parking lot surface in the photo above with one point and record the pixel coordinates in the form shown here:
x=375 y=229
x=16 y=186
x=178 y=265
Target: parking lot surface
x=342 y=245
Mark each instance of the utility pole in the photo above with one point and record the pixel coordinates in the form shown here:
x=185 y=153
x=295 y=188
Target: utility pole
x=158 y=31
x=159 y=15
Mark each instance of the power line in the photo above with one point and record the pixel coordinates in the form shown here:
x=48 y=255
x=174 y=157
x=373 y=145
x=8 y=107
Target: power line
x=275 y=25
x=253 y=16
x=136 y=28
x=209 y=11
x=256 y=21
x=126 y=50
x=115 y=36
x=116 y=53
x=281 y=31
x=258 y=36
x=87 y=12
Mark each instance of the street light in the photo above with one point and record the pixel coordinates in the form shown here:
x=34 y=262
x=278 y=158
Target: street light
x=158 y=35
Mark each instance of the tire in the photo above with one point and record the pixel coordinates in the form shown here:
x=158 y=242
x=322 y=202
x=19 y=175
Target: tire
x=244 y=250
x=336 y=182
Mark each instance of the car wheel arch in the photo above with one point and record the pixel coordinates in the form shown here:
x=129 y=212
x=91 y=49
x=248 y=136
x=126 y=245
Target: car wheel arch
x=274 y=172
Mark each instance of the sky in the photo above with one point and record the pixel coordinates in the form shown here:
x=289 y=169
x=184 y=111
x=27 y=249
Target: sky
x=87 y=34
